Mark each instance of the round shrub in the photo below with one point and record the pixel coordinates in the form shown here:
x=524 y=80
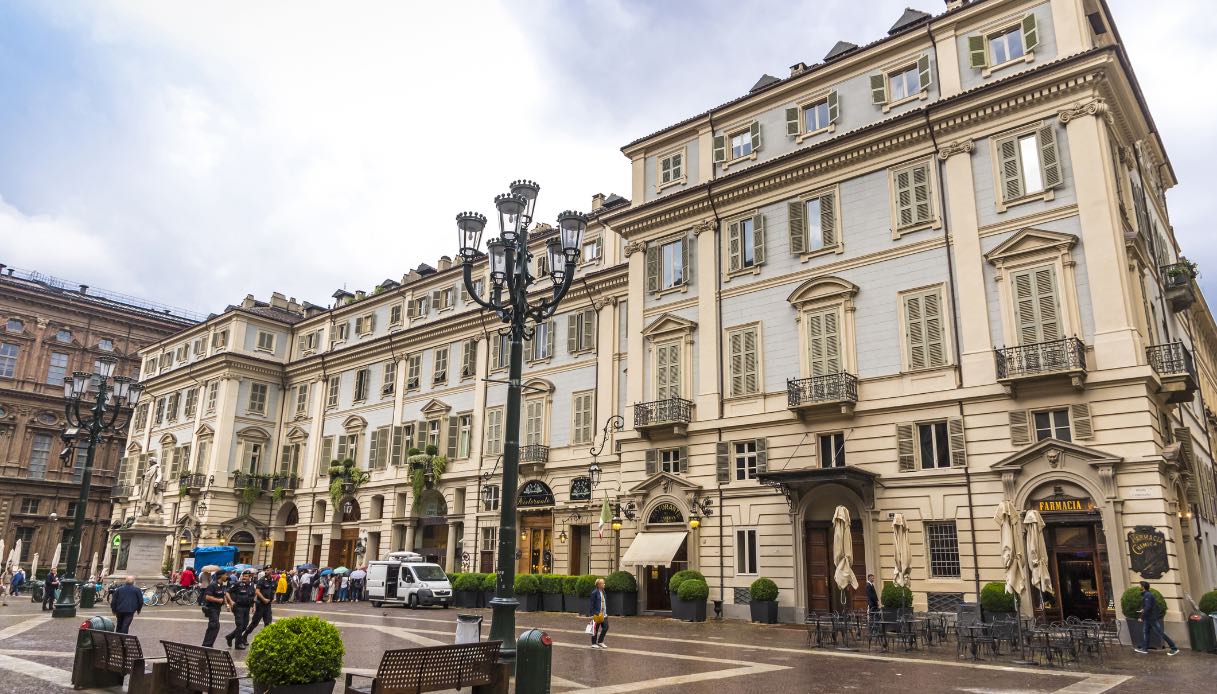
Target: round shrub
x=1208 y=602
x=994 y=598
x=681 y=576
x=621 y=582
x=489 y=581
x=468 y=582
x=570 y=585
x=453 y=578
x=895 y=597
x=584 y=585
x=763 y=589
x=1130 y=602
x=527 y=584
x=295 y=650
x=551 y=583
x=693 y=590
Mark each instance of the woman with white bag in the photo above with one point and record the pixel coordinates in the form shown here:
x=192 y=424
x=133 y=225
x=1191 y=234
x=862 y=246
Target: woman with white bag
x=598 y=627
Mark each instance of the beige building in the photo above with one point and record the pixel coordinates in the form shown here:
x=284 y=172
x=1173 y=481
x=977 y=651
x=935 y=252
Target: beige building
x=919 y=277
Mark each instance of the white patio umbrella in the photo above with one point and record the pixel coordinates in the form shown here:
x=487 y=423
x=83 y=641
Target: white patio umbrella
x=34 y=566
x=1037 y=552
x=55 y=557
x=1 y=552
x=1011 y=555
x=843 y=552
x=15 y=557
x=93 y=567
x=900 y=533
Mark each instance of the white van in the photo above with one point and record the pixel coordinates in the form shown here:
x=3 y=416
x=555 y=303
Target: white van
x=409 y=583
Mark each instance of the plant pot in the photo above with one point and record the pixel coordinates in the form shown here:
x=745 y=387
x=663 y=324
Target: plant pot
x=325 y=687
x=529 y=602
x=696 y=611
x=551 y=602
x=487 y=596
x=1136 y=632
x=465 y=598
x=622 y=604
x=764 y=611
x=680 y=608
x=573 y=603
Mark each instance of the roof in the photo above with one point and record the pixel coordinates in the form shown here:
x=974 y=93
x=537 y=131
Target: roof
x=265 y=310
x=910 y=18
x=765 y=80
x=841 y=48
x=83 y=293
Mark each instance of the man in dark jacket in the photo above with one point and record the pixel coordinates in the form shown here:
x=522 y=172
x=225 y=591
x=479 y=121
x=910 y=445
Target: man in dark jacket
x=215 y=598
x=1152 y=621
x=49 y=587
x=125 y=603
x=241 y=597
x=264 y=597
x=872 y=595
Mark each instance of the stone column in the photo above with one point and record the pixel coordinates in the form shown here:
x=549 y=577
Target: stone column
x=450 y=557
x=709 y=360
x=410 y=523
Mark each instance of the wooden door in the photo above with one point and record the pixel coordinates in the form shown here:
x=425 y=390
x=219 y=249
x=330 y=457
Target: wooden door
x=657 y=588
x=284 y=551
x=817 y=553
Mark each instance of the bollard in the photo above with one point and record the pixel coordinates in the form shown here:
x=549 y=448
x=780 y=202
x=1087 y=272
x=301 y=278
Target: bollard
x=468 y=628
x=534 y=655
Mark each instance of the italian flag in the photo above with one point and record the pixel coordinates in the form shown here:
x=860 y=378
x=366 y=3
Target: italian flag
x=606 y=517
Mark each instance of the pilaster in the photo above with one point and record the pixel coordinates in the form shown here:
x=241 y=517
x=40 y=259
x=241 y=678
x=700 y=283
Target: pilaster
x=635 y=253
x=709 y=359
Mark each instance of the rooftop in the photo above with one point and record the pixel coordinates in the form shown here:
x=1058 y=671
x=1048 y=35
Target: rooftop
x=82 y=292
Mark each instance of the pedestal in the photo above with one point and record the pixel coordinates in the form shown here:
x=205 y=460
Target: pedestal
x=145 y=553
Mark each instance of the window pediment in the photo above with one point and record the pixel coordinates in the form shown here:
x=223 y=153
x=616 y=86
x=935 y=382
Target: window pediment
x=134 y=449
x=354 y=424
x=168 y=441
x=1031 y=242
x=204 y=430
x=296 y=434
x=819 y=290
x=669 y=324
x=253 y=434
x=666 y=481
x=538 y=385
x=436 y=408
x=1056 y=451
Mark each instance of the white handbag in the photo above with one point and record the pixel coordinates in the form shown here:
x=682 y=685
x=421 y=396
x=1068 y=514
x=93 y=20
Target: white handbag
x=590 y=629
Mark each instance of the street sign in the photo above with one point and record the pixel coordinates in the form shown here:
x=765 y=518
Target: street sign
x=117 y=541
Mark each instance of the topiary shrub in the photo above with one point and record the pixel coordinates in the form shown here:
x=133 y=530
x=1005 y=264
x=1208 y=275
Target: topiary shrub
x=570 y=585
x=551 y=583
x=693 y=590
x=1130 y=602
x=295 y=650
x=527 y=584
x=489 y=581
x=993 y=598
x=453 y=578
x=469 y=582
x=681 y=576
x=584 y=585
x=763 y=589
x=895 y=597
x=621 y=582
x=1208 y=602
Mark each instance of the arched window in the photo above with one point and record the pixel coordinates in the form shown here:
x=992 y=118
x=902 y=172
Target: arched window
x=350 y=511
x=666 y=512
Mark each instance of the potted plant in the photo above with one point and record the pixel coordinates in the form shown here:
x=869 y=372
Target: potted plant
x=679 y=607
x=895 y=598
x=1130 y=605
x=489 y=585
x=551 y=592
x=467 y=587
x=527 y=591
x=1208 y=602
x=345 y=478
x=296 y=655
x=570 y=593
x=763 y=601
x=995 y=601
x=584 y=585
x=426 y=469
x=621 y=590
x=693 y=593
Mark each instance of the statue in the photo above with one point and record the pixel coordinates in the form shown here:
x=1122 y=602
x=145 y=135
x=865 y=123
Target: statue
x=361 y=545
x=150 y=489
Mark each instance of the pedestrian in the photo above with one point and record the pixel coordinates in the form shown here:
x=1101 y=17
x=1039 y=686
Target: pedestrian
x=344 y=590
x=281 y=588
x=125 y=603
x=241 y=596
x=215 y=598
x=302 y=590
x=1151 y=621
x=187 y=577
x=264 y=595
x=872 y=595
x=598 y=609
x=49 y=586
x=18 y=582
x=358 y=578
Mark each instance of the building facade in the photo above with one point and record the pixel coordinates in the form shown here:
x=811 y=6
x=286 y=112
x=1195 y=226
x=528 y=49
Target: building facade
x=920 y=277
x=51 y=328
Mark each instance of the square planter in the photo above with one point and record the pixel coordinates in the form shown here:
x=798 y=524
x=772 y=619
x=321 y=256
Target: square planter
x=764 y=611
x=551 y=602
x=465 y=598
x=530 y=602
x=680 y=608
x=573 y=603
x=1136 y=632
x=695 y=611
x=486 y=596
x=622 y=604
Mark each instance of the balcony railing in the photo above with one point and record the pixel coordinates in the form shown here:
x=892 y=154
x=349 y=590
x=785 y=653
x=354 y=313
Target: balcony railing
x=244 y=480
x=285 y=482
x=192 y=482
x=1173 y=364
x=661 y=412
x=1067 y=356
x=821 y=390
x=1177 y=281
x=122 y=491
x=534 y=453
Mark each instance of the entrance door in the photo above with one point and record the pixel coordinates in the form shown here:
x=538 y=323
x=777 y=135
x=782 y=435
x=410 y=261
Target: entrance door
x=822 y=592
x=536 y=544
x=658 y=599
x=342 y=550
x=1077 y=562
x=284 y=551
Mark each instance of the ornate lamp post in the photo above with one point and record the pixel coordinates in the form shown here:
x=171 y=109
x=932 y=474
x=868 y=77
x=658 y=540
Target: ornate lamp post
x=103 y=396
x=509 y=300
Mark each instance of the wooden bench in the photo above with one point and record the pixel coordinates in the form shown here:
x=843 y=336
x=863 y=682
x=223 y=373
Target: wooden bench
x=205 y=670
x=436 y=668
x=114 y=656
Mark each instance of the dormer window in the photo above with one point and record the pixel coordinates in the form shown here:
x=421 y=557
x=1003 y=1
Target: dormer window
x=737 y=144
x=812 y=117
x=1011 y=44
x=904 y=83
x=14 y=325
x=671 y=169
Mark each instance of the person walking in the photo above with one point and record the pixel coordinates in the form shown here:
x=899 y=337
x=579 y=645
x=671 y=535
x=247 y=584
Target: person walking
x=215 y=598
x=186 y=578
x=18 y=582
x=598 y=609
x=358 y=579
x=281 y=588
x=344 y=590
x=872 y=595
x=242 y=597
x=264 y=596
x=1152 y=621
x=48 y=589
x=125 y=603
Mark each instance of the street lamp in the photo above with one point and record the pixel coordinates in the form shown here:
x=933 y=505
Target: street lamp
x=509 y=290
x=103 y=396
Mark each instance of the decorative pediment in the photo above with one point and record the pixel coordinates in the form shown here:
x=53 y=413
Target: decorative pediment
x=168 y=441
x=669 y=323
x=538 y=385
x=134 y=449
x=664 y=481
x=247 y=523
x=354 y=424
x=436 y=408
x=1031 y=241
x=819 y=290
x=253 y=434
x=1057 y=453
x=204 y=430
x=296 y=434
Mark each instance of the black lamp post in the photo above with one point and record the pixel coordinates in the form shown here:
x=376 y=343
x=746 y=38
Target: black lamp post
x=103 y=396
x=509 y=300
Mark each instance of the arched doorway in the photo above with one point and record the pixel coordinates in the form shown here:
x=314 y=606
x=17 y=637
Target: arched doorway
x=283 y=552
x=665 y=516
x=535 y=501
x=246 y=546
x=431 y=539
x=822 y=593
x=342 y=543
x=1077 y=554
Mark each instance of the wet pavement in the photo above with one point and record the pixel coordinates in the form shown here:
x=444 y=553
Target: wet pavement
x=645 y=654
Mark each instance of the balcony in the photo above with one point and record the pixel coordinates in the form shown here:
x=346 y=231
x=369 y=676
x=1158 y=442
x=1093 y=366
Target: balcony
x=533 y=458
x=830 y=393
x=288 y=483
x=243 y=480
x=191 y=483
x=1175 y=368
x=1177 y=281
x=1042 y=360
x=663 y=416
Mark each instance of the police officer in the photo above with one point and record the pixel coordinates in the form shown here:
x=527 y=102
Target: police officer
x=241 y=596
x=215 y=598
x=264 y=597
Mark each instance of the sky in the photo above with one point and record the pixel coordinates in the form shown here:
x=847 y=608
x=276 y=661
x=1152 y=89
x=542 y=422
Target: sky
x=193 y=153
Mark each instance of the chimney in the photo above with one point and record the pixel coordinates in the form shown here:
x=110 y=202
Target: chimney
x=360 y=295
x=249 y=301
x=410 y=277
x=798 y=68
x=597 y=201
x=293 y=305
x=278 y=301
x=444 y=263
x=956 y=4
x=84 y=289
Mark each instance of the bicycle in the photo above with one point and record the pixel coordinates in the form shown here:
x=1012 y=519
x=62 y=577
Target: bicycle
x=187 y=596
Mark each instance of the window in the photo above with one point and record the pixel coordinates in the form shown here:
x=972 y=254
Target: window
x=40 y=453
x=534 y=421
x=1052 y=424
x=219 y=339
x=479 y=289
x=407 y=436
x=57 y=368
x=494 y=431
x=490 y=502
x=812 y=118
x=584 y=406
x=212 y=389
x=672 y=169
x=737 y=144
x=331 y=391
x=813 y=224
x=364 y=325
x=8 y=359
x=933 y=446
x=26 y=537
x=141 y=417
x=395 y=314
x=925 y=339
x=746 y=551
x=469 y=356
x=160 y=411
x=257 y=398
x=464 y=435
x=433 y=432
x=289 y=464
x=181 y=354
x=743 y=361
x=389 y=378
x=442 y=298
x=414 y=367
x=71 y=510
x=252 y=461
x=192 y=402
x=196 y=347
x=667 y=371
x=30 y=505
x=341 y=331
x=105 y=344
x=906 y=82
x=500 y=351
x=362 y=377
x=832 y=449
x=942 y=540
x=671 y=460
x=378 y=447
x=913 y=196
x=1005 y=46
x=581 y=331
x=746 y=243
x=903 y=83
x=441 y=366
x=824 y=341
x=745 y=460
x=172 y=407
x=417 y=307
x=1028 y=163
x=591 y=249
x=542 y=344
x=302 y=398
x=14 y=325
x=266 y=341
x=1036 y=316
x=63 y=335
x=348 y=447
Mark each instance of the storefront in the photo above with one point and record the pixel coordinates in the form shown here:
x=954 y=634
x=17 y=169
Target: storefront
x=1077 y=556
x=430 y=538
x=283 y=550
x=535 y=502
x=342 y=547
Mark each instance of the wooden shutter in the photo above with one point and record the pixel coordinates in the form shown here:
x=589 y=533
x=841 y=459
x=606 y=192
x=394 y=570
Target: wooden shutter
x=396 y=450
x=720 y=148
x=1031 y=32
x=921 y=193
x=736 y=351
x=905 y=448
x=735 y=246
x=834 y=107
x=923 y=72
x=1020 y=428
x=661 y=372
x=1010 y=168
x=682 y=459
x=828 y=220
x=955 y=438
x=792 y=121
x=1079 y=416
x=1050 y=160
x=754 y=132
x=823 y=338
x=327 y=451
x=469 y=358
x=722 y=463
x=914 y=320
x=1035 y=302
x=1187 y=454
x=572 y=333
x=652 y=267
x=795 y=214
x=650 y=461
x=762 y=456
x=588 y=325
x=686 y=268
x=750 y=363
x=978 y=54
x=878 y=89
x=420 y=433
x=904 y=198
x=758 y=239
x=935 y=349
x=549 y=339
x=452 y=432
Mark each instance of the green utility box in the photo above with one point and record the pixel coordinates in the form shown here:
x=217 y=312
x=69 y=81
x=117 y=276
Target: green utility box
x=1201 y=633
x=534 y=656
x=83 y=674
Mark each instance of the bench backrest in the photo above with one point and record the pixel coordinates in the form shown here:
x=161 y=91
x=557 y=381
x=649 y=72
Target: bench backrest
x=198 y=669
x=116 y=652
x=437 y=668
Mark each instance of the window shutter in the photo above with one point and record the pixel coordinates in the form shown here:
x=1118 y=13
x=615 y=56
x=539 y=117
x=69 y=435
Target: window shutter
x=682 y=459
x=469 y=358
x=754 y=131
x=921 y=193
x=834 y=107
x=832 y=343
x=736 y=341
x=795 y=212
x=371 y=323
x=904 y=198
x=923 y=72
x=1020 y=429
x=1010 y=168
x=396 y=451
x=792 y=121
x=815 y=342
x=572 y=333
x=652 y=268
x=878 y=89
x=1031 y=32
x=735 y=246
x=420 y=433
x=300 y=344
x=686 y=253
x=722 y=463
x=935 y=349
x=914 y=321
x=1186 y=453
x=327 y=451
x=1050 y=160
x=1024 y=308
x=822 y=338
x=530 y=352
x=758 y=239
x=589 y=328
x=978 y=56
x=751 y=371
x=452 y=427
x=661 y=372
x=828 y=220
x=549 y=339
x=494 y=351
x=720 y=148
x=955 y=438
x=1045 y=290
x=1080 y=416
x=650 y=461
x=762 y=456
x=905 y=449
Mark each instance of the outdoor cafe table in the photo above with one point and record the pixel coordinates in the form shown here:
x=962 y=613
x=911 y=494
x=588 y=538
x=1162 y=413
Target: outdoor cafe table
x=975 y=632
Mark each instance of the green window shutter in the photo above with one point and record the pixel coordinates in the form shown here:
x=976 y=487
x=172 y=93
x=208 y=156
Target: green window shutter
x=1010 y=168
x=682 y=459
x=735 y=246
x=1031 y=33
x=736 y=361
x=1187 y=454
x=720 y=148
x=922 y=204
x=1050 y=160
x=722 y=463
x=878 y=89
x=751 y=366
x=572 y=332
x=589 y=328
x=792 y=121
x=758 y=239
x=327 y=452
x=798 y=227
x=914 y=321
x=923 y=72
x=420 y=429
x=828 y=220
x=1020 y=429
x=1079 y=415
x=762 y=456
x=955 y=438
x=549 y=338
x=1025 y=312
x=661 y=372
x=834 y=107
x=650 y=461
x=452 y=427
x=686 y=248
x=905 y=448
x=823 y=336
x=373 y=448
x=396 y=451
x=978 y=54
x=652 y=268
x=935 y=349
x=904 y=198
x=1045 y=291
x=494 y=351
x=754 y=131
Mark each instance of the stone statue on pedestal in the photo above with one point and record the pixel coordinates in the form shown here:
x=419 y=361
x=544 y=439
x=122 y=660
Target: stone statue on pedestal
x=151 y=490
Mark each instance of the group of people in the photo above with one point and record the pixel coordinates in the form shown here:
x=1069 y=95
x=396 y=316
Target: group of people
x=315 y=585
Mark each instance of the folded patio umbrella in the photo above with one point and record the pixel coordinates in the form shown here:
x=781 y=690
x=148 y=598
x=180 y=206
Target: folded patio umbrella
x=93 y=567
x=1 y=552
x=15 y=557
x=55 y=557
x=34 y=567
x=1037 y=552
x=900 y=532
x=843 y=551
x=1007 y=520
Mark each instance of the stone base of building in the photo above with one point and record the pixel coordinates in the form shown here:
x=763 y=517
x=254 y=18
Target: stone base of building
x=145 y=552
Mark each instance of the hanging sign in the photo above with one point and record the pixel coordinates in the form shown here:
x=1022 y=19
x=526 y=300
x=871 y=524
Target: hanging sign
x=1062 y=504
x=534 y=494
x=580 y=489
x=1147 y=551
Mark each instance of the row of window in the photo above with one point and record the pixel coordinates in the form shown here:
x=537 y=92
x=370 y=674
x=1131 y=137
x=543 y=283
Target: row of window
x=942 y=546
x=184 y=405
x=58 y=364
x=16 y=326
x=197 y=349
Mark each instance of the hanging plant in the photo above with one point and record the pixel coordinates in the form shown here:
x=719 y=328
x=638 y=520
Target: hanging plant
x=345 y=478
x=277 y=493
x=420 y=465
x=251 y=492
x=183 y=490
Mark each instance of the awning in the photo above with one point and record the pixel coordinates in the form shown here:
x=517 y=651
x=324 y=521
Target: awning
x=653 y=549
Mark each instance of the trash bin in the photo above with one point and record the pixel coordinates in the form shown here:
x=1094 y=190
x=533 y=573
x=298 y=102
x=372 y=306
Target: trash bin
x=468 y=628
x=534 y=657
x=1201 y=633
x=37 y=593
x=83 y=674
x=88 y=595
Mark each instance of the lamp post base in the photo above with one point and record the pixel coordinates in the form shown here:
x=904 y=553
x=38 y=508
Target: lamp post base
x=503 y=626
x=65 y=606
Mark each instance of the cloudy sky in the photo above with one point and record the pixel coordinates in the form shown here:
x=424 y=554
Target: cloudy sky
x=196 y=152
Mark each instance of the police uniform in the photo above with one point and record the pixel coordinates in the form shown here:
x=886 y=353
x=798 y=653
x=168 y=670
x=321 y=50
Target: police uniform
x=265 y=585
x=211 y=610
x=242 y=595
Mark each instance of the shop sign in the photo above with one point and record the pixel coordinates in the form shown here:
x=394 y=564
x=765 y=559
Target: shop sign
x=1064 y=504
x=1141 y=493
x=580 y=489
x=534 y=494
x=1147 y=551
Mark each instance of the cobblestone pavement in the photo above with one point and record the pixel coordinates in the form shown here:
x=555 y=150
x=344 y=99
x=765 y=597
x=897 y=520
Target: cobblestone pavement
x=646 y=654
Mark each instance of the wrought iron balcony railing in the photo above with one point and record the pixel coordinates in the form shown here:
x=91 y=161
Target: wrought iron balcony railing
x=1177 y=281
x=244 y=480
x=1171 y=359
x=826 y=389
x=283 y=481
x=122 y=491
x=1041 y=359
x=192 y=480
x=534 y=453
x=660 y=412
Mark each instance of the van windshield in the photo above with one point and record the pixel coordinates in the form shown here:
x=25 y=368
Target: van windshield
x=429 y=573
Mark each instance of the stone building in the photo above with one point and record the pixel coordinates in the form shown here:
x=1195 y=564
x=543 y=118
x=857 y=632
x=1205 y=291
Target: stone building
x=48 y=329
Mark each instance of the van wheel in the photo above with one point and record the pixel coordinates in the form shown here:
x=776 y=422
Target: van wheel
x=445 y=605
x=375 y=604
x=412 y=603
